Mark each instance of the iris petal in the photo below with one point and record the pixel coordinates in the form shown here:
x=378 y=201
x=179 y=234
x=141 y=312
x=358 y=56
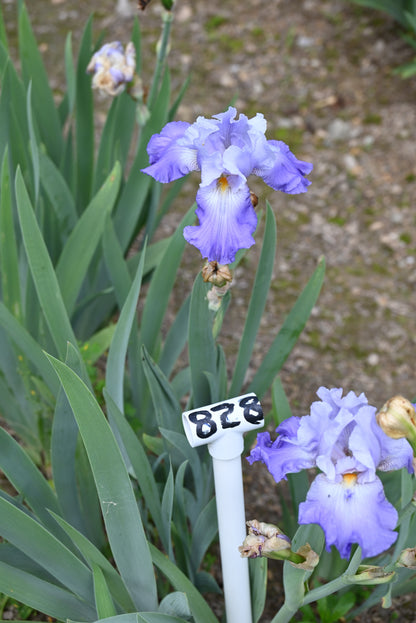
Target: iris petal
x=227 y=221
x=284 y=171
x=284 y=455
x=171 y=153
x=351 y=512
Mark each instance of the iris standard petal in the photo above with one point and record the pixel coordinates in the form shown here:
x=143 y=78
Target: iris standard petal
x=349 y=512
x=227 y=220
x=284 y=171
x=172 y=154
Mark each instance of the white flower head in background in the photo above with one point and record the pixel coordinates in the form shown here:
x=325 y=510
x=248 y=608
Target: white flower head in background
x=113 y=67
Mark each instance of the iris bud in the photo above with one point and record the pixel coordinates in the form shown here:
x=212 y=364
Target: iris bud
x=265 y=539
x=370 y=575
x=217 y=274
x=407 y=558
x=397 y=418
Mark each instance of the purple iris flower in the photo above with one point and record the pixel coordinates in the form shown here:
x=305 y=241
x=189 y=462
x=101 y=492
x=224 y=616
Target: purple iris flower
x=341 y=437
x=226 y=150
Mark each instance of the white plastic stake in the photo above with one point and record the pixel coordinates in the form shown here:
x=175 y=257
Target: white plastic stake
x=221 y=426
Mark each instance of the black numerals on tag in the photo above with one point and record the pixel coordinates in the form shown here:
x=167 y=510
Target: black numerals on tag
x=253 y=412
x=206 y=426
x=227 y=408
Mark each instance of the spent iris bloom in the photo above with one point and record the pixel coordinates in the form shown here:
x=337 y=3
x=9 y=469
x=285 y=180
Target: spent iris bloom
x=113 y=67
x=226 y=150
x=341 y=437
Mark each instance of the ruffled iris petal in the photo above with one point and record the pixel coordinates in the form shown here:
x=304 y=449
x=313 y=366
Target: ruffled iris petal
x=284 y=455
x=171 y=153
x=227 y=221
x=284 y=172
x=351 y=512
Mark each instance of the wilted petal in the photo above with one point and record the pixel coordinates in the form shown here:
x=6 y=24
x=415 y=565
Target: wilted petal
x=349 y=512
x=227 y=220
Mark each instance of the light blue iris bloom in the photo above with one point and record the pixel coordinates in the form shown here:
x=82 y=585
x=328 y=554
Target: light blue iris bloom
x=226 y=150
x=341 y=437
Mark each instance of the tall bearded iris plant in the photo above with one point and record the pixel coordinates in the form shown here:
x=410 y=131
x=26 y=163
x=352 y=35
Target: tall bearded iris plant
x=226 y=150
x=341 y=437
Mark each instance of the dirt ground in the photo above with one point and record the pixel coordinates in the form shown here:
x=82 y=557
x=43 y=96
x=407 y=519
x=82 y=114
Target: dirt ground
x=321 y=71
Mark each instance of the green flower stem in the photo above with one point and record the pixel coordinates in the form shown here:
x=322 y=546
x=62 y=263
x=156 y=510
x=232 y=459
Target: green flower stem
x=286 y=554
x=407 y=512
x=326 y=589
x=285 y=614
x=162 y=52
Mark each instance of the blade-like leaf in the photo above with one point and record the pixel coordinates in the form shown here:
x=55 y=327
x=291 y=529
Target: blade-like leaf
x=118 y=504
x=3 y=35
x=70 y=73
x=135 y=191
x=118 y=349
x=82 y=243
x=29 y=347
x=166 y=408
x=41 y=268
x=203 y=532
x=257 y=303
x=167 y=509
x=116 y=136
x=43 y=596
x=120 y=277
x=39 y=544
x=139 y=462
x=10 y=281
x=258 y=583
x=161 y=286
x=33 y=143
x=59 y=195
x=158 y=617
x=131 y=617
x=34 y=70
x=13 y=129
x=202 y=351
x=289 y=333
x=103 y=600
x=94 y=557
x=64 y=443
x=176 y=338
x=201 y=612
x=281 y=406
x=27 y=479
x=84 y=130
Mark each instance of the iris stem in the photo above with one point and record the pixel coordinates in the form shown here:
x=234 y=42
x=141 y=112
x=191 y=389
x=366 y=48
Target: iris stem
x=286 y=554
x=285 y=614
x=162 y=51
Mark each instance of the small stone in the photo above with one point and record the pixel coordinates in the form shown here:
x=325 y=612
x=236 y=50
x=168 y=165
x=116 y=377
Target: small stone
x=338 y=130
x=373 y=359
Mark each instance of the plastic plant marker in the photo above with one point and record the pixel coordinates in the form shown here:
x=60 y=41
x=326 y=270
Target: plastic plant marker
x=221 y=426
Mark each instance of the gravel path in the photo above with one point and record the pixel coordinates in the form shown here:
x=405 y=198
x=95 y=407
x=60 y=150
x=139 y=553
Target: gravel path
x=321 y=72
